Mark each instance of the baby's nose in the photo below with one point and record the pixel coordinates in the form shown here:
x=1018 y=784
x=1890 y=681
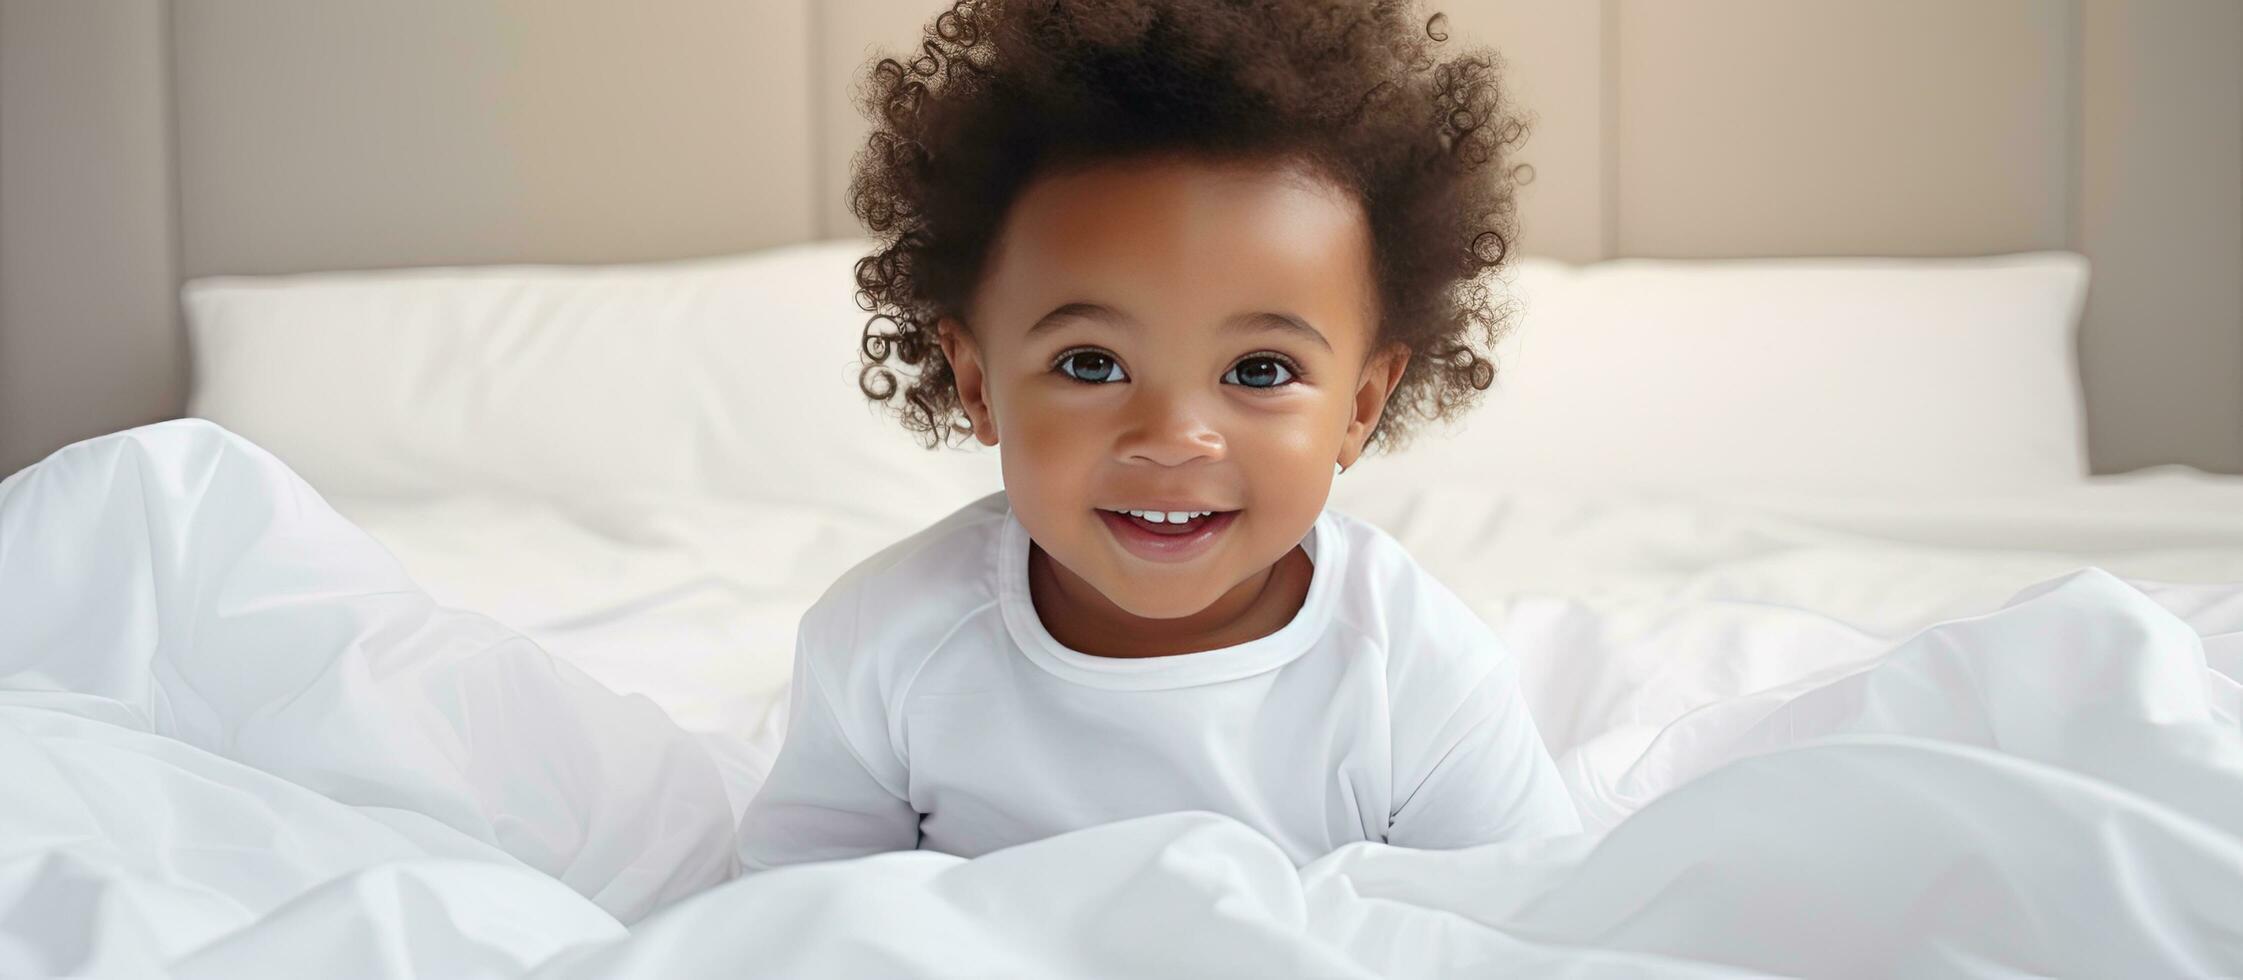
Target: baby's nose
x=1171 y=431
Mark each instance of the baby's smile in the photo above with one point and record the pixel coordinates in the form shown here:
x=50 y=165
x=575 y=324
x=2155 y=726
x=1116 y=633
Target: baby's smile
x=1167 y=535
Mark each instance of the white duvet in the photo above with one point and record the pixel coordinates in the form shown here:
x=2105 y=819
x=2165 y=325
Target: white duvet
x=1923 y=738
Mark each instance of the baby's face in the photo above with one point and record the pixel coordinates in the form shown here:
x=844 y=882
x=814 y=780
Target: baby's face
x=1174 y=336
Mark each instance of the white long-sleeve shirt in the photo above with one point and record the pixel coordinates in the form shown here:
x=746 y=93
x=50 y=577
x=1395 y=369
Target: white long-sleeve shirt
x=931 y=709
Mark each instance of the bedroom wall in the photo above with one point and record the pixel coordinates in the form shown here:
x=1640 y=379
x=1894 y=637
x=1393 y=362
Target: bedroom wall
x=90 y=339
x=143 y=142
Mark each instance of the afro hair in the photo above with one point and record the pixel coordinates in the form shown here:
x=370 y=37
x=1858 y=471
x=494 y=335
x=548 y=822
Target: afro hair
x=1005 y=90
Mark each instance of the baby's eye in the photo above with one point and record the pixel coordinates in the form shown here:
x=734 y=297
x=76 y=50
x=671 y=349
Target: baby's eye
x=1091 y=367
x=1260 y=372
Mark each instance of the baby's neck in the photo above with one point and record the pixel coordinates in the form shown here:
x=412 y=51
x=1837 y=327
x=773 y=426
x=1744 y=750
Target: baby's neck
x=1083 y=620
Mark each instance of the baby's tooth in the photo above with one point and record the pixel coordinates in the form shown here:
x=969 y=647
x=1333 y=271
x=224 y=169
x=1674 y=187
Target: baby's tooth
x=1179 y=516
x=1156 y=517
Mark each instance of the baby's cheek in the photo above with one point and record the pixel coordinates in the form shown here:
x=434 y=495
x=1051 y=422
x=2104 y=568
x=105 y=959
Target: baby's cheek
x=1047 y=459
x=1289 y=470
x=1285 y=454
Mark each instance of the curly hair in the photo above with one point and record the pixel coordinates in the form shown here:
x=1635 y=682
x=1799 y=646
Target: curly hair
x=1006 y=90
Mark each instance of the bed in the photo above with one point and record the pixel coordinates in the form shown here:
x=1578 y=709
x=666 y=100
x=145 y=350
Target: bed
x=449 y=640
x=1881 y=613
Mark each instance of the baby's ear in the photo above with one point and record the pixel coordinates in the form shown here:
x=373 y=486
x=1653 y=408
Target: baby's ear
x=964 y=355
x=1382 y=373
x=1398 y=361
x=1380 y=377
x=946 y=337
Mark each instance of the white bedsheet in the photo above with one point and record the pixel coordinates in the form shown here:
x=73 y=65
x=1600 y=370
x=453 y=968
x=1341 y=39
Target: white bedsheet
x=1628 y=608
x=237 y=738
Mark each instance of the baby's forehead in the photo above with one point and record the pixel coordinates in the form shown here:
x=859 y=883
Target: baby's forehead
x=1183 y=224
x=1181 y=195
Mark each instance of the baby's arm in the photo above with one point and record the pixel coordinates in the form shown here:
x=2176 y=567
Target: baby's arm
x=1491 y=779
x=836 y=789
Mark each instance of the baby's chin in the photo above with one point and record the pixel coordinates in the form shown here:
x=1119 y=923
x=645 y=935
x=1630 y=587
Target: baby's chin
x=1153 y=591
x=1144 y=601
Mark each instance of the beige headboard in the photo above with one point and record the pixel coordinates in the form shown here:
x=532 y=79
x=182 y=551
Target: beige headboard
x=144 y=142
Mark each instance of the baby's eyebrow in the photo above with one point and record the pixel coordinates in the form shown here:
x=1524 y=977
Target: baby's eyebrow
x=1240 y=323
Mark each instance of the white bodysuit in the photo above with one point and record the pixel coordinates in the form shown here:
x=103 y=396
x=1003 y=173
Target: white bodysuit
x=931 y=709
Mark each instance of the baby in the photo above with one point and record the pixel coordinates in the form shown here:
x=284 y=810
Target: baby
x=1182 y=263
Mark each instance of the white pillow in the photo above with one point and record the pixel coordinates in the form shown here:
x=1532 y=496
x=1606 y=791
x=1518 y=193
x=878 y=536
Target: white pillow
x=1818 y=374
x=601 y=386
x=604 y=386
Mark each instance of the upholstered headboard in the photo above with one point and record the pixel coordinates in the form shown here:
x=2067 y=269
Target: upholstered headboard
x=144 y=142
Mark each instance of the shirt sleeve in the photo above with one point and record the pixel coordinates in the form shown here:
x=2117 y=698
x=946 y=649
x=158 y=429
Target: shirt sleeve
x=1492 y=781
x=837 y=789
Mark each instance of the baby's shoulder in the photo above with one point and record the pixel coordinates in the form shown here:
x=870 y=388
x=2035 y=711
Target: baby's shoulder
x=1431 y=637
x=1386 y=588
x=922 y=584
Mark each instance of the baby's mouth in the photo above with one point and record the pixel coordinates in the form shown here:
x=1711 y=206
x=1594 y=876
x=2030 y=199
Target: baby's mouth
x=1170 y=523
